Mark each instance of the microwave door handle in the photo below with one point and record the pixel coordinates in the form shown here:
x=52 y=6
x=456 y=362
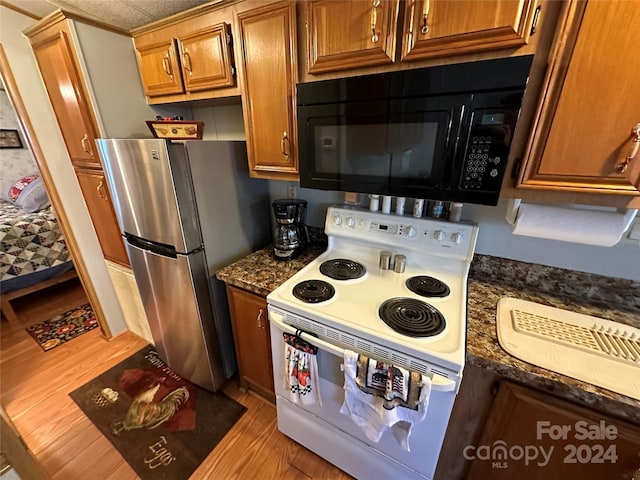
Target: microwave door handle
x=438 y=382
x=454 y=140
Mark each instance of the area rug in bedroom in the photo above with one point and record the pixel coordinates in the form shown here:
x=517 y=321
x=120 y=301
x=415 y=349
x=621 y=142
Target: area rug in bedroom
x=64 y=327
x=162 y=425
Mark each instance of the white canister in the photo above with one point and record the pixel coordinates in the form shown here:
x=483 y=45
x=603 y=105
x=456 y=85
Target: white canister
x=418 y=206
x=374 y=202
x=386 y=204
x=400 y=201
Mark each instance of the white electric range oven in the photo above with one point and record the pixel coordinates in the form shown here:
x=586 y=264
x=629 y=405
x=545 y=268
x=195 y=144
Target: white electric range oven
x=414 y=318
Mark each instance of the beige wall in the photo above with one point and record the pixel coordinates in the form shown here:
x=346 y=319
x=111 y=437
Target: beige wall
x=36 y=102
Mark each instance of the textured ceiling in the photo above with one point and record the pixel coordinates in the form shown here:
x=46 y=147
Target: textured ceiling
x=124 y=14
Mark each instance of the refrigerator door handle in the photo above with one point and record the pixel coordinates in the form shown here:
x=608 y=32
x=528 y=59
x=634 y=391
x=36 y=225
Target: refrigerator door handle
x=159 y=248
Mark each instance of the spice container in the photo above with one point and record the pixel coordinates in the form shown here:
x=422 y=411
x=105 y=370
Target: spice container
x=418 y=206
x=399 y=263
x=455 y=213
x=436 y=209
x=385 y=260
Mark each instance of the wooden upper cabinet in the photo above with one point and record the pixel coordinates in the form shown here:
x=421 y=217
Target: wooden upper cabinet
x=54 y=55
x=160 y=69
x=96 y=195
x=266 y=41
x=583 y=139
x=343 y=34
x=347 y=34
x=435 y=28
x=206 y=58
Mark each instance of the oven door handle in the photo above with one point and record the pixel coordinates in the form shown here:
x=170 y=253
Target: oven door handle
x=438 y=382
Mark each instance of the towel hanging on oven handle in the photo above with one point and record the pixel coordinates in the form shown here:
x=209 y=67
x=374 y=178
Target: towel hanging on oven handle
x=296 y=341
x=438 y=382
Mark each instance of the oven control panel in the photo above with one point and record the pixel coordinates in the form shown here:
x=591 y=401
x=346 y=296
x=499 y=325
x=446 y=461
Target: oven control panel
x=439 y=236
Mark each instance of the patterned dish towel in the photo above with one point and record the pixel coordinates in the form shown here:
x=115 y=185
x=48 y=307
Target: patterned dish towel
x=301 y=376
x=379 y=396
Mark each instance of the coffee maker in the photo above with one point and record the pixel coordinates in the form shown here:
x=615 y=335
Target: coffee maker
x=291 y=236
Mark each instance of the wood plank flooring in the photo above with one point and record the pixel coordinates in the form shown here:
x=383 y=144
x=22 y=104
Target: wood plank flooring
x=34 y=392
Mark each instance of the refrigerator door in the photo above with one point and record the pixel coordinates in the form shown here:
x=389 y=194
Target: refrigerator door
x=152 y=192
x=175 y=295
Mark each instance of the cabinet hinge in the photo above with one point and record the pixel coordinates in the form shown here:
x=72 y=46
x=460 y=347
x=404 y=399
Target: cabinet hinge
x=515 y=171
x=233 y=71
x=229 y=38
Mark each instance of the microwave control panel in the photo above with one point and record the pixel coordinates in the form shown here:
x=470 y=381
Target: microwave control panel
x=486 y=152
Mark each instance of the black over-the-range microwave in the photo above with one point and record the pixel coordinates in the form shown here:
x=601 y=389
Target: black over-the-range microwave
x=440 y=133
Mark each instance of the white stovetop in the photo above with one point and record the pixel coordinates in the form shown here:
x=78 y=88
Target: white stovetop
x=354 y=307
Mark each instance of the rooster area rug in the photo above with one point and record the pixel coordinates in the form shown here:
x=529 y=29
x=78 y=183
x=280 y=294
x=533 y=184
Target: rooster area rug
x=162 y=425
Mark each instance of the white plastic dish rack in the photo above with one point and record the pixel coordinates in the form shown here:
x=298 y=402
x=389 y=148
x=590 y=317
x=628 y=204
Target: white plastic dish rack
x=591 y=349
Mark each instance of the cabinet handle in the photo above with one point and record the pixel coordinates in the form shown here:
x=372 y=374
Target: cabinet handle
x=425 y=28
x=284 y=138
x=186 y=60
x=534 y=22
x=85 y=145
x=259 y=319
x=100 y=189
x=635 y=139
x=166 y=65
x=374 y=21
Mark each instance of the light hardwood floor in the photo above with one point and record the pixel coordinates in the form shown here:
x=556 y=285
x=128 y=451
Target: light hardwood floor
x=34 y=392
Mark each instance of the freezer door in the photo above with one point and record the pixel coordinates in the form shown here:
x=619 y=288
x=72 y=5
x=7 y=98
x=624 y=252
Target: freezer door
x=152 y=191
x=176 y=299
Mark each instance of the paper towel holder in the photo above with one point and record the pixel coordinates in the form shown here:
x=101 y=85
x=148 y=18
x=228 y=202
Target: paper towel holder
x=513 y=206
x=512 y=210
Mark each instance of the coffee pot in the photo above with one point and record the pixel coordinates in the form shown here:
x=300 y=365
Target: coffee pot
x=290 y=236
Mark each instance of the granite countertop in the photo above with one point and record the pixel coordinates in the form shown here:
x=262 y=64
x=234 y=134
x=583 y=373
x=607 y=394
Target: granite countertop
x=261 y=273
x=490 y=279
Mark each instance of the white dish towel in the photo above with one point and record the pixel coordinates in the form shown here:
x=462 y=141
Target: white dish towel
x=379 y=396
x=301 y=375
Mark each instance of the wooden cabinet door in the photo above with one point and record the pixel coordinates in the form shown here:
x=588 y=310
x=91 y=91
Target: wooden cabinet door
x=573 y=439
x=54 y=54
x=160 y=68
x=96 y=196
x=250 y=325
x=344 y=34
x=268 y=75
x=206 y=58
x=583 y=131
x=435 y=28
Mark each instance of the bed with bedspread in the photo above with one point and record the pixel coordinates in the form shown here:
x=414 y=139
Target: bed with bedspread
x=33 y=252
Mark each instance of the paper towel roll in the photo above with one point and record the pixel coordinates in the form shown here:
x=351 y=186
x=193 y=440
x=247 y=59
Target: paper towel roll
x=590 y=227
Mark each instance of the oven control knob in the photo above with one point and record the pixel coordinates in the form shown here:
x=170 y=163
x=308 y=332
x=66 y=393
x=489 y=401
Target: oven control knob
x=350 y=222
x=337 y=220
x=409 y=231
x=456 y=238
x=438 y=235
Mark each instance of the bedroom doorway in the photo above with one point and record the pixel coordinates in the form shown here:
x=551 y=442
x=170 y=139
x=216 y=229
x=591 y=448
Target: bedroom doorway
x=53 y=274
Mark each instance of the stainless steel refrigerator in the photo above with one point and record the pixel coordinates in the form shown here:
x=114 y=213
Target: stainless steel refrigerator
x=186 y=210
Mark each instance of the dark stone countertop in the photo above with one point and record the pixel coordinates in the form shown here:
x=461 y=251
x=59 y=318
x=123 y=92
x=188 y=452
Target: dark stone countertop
x=261 y=273
x=490 y=279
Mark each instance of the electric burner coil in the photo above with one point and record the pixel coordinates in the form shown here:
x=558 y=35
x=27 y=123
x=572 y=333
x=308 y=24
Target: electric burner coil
x=412 y=317
x=342 y=269
x=313 y=291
